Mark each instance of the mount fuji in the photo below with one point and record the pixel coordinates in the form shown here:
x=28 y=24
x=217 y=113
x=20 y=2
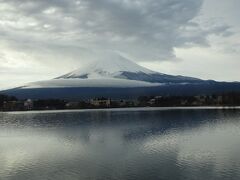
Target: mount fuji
x=118 y=78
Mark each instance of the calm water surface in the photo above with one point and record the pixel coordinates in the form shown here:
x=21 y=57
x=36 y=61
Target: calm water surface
x=120 y=144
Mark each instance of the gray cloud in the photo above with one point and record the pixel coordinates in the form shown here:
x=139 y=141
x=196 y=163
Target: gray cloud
x=69 y=29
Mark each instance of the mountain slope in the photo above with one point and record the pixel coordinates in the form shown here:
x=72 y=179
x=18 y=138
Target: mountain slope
x=106 y=68
x=86 y=93
x=117 y=72
x=121 y=68
x=118 y=78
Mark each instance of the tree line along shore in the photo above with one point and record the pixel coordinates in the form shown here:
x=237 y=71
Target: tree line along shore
x=10 y=103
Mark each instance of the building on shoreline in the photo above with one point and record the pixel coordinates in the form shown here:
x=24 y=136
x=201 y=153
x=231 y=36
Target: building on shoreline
x=18 y=105
x=101 y=102
x=227 y=99
x=28 y=104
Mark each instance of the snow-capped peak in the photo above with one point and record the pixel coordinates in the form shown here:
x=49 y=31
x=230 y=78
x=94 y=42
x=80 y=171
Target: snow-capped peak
x=109 y=67
x=112 y=71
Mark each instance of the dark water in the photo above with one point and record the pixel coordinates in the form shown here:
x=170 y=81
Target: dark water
x=120 y=144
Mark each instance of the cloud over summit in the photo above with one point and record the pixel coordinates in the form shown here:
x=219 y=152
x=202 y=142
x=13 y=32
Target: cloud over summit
x=41 y=33
x=140 y=29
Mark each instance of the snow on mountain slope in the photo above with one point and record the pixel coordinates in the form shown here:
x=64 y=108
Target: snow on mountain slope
x=118 y=67
x=110 y=68
x=116 y=71
x=107 y=82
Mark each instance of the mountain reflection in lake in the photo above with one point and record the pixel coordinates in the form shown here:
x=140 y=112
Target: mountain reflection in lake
x=119 y=144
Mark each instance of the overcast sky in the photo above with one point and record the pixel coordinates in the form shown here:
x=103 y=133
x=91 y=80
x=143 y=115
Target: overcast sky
x=42 y=39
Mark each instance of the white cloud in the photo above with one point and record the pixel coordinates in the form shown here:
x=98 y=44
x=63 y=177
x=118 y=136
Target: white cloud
x=142 y=29
x=67 y=32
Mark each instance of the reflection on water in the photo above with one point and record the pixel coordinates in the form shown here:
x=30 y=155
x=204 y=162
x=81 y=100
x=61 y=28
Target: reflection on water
x=169 y=144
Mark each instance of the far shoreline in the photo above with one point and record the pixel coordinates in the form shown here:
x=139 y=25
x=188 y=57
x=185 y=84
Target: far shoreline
x=126 y=109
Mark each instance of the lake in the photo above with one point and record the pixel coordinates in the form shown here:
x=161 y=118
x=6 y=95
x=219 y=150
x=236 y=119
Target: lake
x=147 y=144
